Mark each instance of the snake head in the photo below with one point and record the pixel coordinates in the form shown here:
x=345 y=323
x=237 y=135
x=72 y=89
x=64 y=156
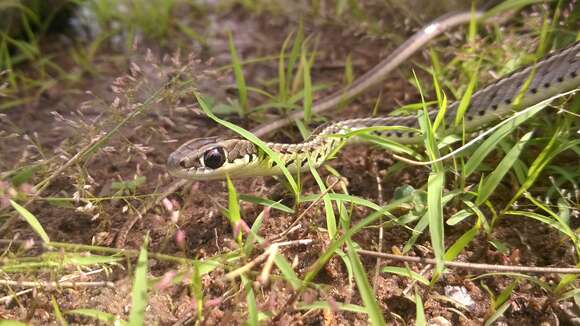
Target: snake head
x=212 y=158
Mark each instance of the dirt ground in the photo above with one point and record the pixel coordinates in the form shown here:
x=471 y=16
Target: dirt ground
x=69 y=115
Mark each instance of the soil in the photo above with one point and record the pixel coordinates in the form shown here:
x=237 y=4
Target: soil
x=67 y=116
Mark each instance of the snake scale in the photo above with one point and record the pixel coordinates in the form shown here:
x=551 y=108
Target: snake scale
x=213 y=158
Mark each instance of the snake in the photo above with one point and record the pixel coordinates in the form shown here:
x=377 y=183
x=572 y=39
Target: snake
x=212 y=158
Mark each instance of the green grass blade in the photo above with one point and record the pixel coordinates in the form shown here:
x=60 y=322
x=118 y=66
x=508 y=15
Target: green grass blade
x=260 y=92
x=574 y=293
x=391 y=146
x=497 y=314
x=267 y=202
x=6 y=60
x=336 y=244
x=480 y=215
x=21 y=7
x=84 y=260
x=424 y=221
x=295 y=52
x=437 y=71
x=435 y=185
x=238 y=74
x=435 y=212
x=458 y=217
x=31 y=220
x=491 y=143
x=282 y=88
x=345 y=198
x=303 y=129
x=554 y=148
x=307 y=85
x=348 y=70
x=364 y=287
x=563 y=228
x=348 y=265
x=402 y=271
x=472 y=31
x=197 y=287
x=420 y=319
x=349 y=307
x=543 y=285
x=287 y=271
x=251 y=302
x=441 y=96
x=12 y=322
x=565 y=281
x=417 y=231
x=564 y=221
x=466 y=98
x=234 y=210
x=492 y=181
x=57 y=313
x=514 y=5
x=427 y=130
x=299 y=95
x=139 y=292
x=253 y=235
x=328 y=209
x=191 y=33
x=505 y=294
x=456 y=248
x=440 y=118
x=345 y=217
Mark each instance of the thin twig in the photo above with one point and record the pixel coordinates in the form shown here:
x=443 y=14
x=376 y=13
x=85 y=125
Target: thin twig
x=475 y=266
x=8 y=298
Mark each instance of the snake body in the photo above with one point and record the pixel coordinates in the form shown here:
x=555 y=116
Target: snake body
x=214 y=158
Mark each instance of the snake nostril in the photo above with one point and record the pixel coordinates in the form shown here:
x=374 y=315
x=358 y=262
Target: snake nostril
x=183 y=164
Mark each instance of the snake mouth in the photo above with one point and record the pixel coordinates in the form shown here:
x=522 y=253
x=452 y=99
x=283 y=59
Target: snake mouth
x=174 y=166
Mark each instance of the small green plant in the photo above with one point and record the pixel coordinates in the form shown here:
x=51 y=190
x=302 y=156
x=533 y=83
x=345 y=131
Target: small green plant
x=239 y=74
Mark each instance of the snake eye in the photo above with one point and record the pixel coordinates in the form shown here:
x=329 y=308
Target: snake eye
x=214 y=158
